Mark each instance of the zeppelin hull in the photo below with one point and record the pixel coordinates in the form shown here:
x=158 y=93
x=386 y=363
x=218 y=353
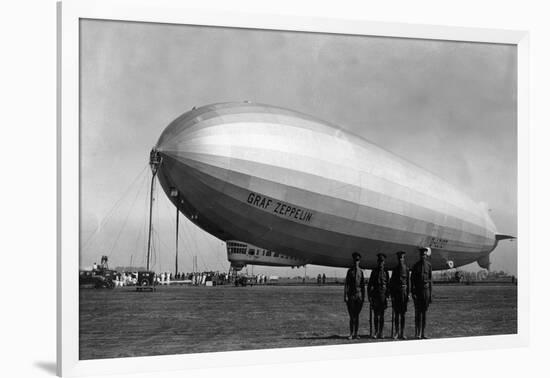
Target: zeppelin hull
x=289 y=183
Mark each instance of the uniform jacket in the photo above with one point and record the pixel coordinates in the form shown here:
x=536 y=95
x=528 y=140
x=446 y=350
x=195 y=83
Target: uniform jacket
x=353 y=286
x=400 y=278
x=379 y=282
x=421 y=277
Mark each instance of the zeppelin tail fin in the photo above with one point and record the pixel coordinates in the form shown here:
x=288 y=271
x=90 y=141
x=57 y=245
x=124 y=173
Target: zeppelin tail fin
x=485 y=261
x=500 y=237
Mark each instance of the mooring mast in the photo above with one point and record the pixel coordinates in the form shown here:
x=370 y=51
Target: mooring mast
x=154 y=162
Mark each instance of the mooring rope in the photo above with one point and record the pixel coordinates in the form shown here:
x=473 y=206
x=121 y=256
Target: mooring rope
x=111 y=211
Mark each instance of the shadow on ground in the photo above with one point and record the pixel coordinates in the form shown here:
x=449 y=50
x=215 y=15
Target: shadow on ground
x=331 y=337
x=339 y=337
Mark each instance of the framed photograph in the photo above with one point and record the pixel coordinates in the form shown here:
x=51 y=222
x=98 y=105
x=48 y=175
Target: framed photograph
x=237 y=188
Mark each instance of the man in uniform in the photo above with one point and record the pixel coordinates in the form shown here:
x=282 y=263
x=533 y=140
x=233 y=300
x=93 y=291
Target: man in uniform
x=399 y=289
x=354 y=294
x=421 y=288
x=378 y=292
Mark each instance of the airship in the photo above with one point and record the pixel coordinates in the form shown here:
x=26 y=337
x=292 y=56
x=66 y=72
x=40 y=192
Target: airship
x=289 y=182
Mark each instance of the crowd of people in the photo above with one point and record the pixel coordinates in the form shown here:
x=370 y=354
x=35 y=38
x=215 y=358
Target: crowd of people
x=166 y=278
x=121 y=279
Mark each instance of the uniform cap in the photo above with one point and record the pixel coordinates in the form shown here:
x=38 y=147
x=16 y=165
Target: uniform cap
x=400 y=253
x=355 y=254
x=381 y=256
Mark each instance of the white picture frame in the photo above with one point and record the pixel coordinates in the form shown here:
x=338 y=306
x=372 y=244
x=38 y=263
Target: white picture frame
x=69 y=14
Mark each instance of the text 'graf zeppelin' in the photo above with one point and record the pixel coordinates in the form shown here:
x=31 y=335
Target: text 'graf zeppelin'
x=279 y=207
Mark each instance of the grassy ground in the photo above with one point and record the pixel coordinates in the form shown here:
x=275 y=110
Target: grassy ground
x=175 y=320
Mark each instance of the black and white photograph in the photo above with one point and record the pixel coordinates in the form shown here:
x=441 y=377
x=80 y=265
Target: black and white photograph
x=245 y=189
x=275 y=188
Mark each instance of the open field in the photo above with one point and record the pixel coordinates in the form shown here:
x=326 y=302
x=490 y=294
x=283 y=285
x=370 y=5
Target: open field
x=175 y=320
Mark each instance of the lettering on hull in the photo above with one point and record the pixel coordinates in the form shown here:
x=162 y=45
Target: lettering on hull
x=438 y=243
x=280 y=208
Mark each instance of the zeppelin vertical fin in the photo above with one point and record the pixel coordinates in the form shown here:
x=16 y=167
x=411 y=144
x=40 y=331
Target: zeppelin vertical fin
x=499 y=237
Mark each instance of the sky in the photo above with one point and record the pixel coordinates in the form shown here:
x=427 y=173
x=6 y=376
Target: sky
x=449 y=107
